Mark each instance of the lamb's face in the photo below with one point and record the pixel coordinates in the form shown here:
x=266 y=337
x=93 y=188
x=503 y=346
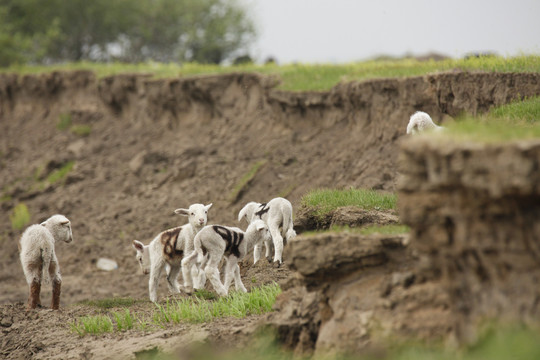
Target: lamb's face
x=262 y=230
x=60 y=228
x=142 y=256
x=197 y=214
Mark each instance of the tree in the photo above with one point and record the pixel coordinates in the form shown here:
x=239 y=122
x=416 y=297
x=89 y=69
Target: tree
x=206 y=31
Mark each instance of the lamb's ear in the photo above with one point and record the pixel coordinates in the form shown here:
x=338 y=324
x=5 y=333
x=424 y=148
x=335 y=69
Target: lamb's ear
x=64 y=222
x=207 y=207
x=260 y=226
x=183 y=212
x=137 y=245
x=242 y=213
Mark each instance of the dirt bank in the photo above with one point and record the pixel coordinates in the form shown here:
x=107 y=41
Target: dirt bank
x=141 y=148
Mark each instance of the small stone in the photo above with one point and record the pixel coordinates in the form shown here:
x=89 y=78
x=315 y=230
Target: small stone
x=6 y=321
x=106 y=264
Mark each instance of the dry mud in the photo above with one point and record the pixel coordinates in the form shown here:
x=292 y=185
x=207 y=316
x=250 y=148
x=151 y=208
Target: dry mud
x=156 y=145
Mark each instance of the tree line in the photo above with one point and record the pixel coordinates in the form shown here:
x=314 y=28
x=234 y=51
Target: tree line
x=51 y=31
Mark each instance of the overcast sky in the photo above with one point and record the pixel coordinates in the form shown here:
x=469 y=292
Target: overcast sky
x=322 y=31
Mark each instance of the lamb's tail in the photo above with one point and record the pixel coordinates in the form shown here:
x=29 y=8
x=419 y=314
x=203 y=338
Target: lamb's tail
x=46 y=257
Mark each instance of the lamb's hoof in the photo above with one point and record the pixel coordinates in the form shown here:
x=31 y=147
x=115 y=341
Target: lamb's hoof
x=188 y=291
x=277 y=264
x=269 y=258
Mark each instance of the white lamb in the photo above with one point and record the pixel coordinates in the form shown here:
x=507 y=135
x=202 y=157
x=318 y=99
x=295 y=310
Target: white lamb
x=277 y=214
x=420 y=122
x=215 y=242
x=38 y=257
x=168 y=248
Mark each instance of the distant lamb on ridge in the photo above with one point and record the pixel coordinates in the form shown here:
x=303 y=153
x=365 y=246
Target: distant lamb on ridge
x=420 y=122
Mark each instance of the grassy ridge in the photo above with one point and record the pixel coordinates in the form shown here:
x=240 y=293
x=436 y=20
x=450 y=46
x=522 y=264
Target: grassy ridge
x=306 y=77
x=517 y=120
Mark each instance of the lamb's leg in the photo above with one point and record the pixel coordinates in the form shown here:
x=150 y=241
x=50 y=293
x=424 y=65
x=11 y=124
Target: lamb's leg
x=153 y=282
x=187 y=264
x=212 y=273
x=239 y=285
x=33 y=298
x=268 y=250
x=229 y=272
x=278 y=244
x=257 y=253
x=54 y=273
x=202 y=274
x=172 y=277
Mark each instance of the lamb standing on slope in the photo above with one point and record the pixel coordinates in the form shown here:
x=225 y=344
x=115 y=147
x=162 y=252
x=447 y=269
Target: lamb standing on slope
x=38 y=257
x=216 y=241
x=420 y=122
x=169 y=248
x=277 y=213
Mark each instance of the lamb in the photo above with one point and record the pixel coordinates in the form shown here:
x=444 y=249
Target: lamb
x=420 y=122
x=216 y=242
x=168 y=248
x=277 y=213
x=38 y=257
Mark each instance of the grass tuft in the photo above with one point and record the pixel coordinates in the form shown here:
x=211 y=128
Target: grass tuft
x=325 y=201
x=197 y=310
x=20 y=217
x=64 y=121
x=94 y=325
x=81 y=130
x=245 y=180
x=393 y=229
x=60 y=174
x=111 y=303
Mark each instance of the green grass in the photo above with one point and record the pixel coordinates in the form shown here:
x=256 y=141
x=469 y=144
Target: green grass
x=306 y=77
x=196 y=310
x=20 y=217
x=203 y=307
x=94 y=325
x=124 y=320
x=245 y=180
x=64 y=121
x=392 y=229
x=81 y=130
x=325 y=201
x=60 y=174
x=111 y=303
x=518 y=120
x=384 y=229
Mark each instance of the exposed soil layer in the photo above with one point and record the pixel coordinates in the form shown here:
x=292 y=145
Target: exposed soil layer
x=140 y=148
x=475 y=209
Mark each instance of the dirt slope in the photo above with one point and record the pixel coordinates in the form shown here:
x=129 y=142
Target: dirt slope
x=156 y=145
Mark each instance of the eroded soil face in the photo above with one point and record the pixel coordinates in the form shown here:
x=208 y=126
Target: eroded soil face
x=141 y=148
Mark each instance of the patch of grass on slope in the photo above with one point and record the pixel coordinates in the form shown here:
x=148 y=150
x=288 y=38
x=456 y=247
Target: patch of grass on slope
x=194 y=309
x=325 y=201
x=306 y=77
x=514 y=121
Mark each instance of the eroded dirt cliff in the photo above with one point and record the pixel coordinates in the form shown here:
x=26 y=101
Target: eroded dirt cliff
x=151 y=146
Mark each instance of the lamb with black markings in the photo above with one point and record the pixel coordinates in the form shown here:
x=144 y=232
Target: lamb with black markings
x=168 y=248
x=278 y=215
x=213 y=243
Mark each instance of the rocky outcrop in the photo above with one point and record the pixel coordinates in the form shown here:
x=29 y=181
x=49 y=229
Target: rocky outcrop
x=474 y=211
x=351 y=292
